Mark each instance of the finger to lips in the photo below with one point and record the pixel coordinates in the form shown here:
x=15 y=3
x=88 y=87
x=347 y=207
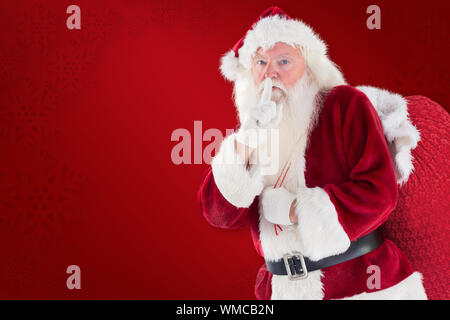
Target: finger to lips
x=267 y=91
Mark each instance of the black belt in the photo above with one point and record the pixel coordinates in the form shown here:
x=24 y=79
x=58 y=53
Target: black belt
x=297 y=267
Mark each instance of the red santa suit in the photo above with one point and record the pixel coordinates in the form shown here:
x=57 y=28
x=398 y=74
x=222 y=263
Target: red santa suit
x=343 y=175
x=350 y=190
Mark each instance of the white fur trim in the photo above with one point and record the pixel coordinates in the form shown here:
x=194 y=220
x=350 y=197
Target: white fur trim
x=410 y=288
x=270 y=30
x=237 y=185
x=400 y=133
x=229 y=66
x=310 y=288
x=276 y=205
x=273 y=29
x=319 y=229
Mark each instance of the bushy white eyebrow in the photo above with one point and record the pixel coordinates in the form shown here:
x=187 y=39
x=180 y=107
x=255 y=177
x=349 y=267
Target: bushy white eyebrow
x=258 y=56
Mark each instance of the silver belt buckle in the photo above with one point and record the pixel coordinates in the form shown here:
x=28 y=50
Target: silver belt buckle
x=288 y=262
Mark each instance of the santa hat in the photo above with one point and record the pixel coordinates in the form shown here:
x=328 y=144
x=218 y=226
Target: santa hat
x=273 y=26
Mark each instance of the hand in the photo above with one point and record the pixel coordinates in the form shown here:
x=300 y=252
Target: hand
x=277 y=205
x=262 y=117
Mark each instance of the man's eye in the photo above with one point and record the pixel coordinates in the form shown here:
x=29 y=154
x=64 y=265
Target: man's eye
x=284 y=61
x=261 y=62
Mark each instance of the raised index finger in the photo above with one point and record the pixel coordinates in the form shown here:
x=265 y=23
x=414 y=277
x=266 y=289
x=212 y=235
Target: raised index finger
x=267 y=91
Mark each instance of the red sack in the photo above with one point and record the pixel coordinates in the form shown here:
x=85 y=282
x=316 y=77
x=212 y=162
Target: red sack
x=420 y=223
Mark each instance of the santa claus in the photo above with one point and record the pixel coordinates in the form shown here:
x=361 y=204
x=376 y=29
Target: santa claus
x=316 y=218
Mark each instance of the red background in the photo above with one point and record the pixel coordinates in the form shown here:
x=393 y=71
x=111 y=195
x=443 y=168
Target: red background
x=86 y=117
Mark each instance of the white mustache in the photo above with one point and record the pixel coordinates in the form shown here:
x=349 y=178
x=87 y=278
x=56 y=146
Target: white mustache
x=276 y=84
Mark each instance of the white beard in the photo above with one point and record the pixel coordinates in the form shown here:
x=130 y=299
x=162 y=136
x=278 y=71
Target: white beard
x=300 y=113
x=302 y=106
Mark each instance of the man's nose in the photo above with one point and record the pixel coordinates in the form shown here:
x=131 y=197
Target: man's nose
x=271 y=72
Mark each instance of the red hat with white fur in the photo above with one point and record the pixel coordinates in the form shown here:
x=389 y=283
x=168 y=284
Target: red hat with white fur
x=273 y=26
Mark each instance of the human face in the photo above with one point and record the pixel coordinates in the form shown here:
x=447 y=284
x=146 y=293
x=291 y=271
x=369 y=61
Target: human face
x=282 y=63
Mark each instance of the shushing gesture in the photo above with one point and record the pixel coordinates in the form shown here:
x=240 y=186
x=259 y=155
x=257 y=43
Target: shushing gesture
x=261 y=118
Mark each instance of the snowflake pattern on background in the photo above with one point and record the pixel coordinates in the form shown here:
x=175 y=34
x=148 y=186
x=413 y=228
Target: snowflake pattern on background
x=101 y=25
x=11 y=68
x=17 y=272
x=43 y=20
x=43 y=200
x=67 y=69
x=27 y=115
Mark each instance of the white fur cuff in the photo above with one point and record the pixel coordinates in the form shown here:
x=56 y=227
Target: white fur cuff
x=237 y=185
x=319 y=229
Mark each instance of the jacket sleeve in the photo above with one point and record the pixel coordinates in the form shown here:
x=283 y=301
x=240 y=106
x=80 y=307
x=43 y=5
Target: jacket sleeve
x=228 y=189
x=332 y=216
